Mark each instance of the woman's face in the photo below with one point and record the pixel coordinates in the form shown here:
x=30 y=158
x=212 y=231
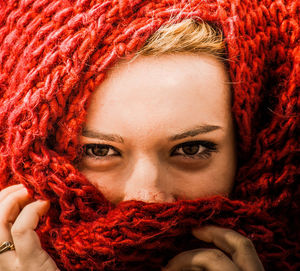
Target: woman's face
x=160 y=129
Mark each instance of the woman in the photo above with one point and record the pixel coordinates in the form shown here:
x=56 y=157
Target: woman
x=155 y=192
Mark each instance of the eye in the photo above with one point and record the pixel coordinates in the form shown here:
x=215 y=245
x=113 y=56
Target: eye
x=99 y=151
x=195 y=149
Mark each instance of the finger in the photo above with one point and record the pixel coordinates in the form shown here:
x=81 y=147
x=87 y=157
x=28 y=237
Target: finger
x=26 y=240
x=201 y=259
x=13 y=199
x=8 y=190
x=240 y=248
x=10 y=208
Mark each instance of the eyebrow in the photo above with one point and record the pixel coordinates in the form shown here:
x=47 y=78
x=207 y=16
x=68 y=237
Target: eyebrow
x=203 y=129
x=98 y=135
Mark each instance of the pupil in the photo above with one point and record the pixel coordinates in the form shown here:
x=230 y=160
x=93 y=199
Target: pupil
x=100 y=151
x=190 y=149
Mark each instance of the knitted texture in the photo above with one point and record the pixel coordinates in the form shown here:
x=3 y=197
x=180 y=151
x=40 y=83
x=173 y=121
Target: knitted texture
x=53 y=54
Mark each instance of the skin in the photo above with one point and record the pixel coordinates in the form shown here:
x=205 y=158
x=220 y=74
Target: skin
x=19 y=216
x=128 y=155
x=143 y=112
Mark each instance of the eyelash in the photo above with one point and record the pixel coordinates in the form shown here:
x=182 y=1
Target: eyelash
x=210 y=147
x=88 y=147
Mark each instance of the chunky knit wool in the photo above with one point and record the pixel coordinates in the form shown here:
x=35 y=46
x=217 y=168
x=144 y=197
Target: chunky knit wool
x=53 y=54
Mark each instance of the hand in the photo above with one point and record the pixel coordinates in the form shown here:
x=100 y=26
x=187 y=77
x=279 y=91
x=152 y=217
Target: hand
x=19 y=216
x=241 y=250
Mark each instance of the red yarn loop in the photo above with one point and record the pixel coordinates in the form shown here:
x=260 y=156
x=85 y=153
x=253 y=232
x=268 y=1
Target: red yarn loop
x=53 y=54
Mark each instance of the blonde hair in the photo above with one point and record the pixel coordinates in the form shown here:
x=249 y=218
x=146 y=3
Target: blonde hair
x=186 y=36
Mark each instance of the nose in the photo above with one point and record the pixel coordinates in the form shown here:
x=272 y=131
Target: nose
x=148 y=182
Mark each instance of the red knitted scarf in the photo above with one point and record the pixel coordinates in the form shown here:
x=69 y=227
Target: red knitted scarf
x=53 y=54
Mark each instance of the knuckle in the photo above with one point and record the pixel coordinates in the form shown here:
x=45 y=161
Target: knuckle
x=216 y=254
x=10 y=199
x=17 y=230
x=4 y=190
x=245 y=244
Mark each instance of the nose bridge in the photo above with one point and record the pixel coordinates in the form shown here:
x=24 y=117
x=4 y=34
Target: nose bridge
x=146 y=182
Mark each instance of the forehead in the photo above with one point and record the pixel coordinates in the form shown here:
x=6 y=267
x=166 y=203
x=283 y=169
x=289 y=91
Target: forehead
x=167 y=88
x=169 y=69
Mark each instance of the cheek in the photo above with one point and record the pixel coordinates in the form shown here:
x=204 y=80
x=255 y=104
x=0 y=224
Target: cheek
x=216 y=179
x=107 y=183
x=222 y=173
x=203 y=185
